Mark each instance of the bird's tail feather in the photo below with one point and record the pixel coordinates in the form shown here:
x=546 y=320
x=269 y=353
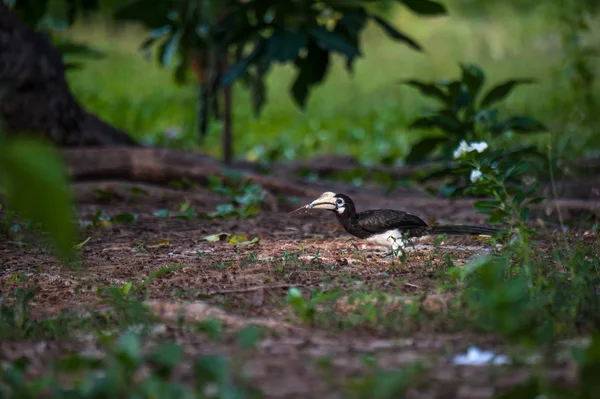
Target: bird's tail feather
x=462 y=230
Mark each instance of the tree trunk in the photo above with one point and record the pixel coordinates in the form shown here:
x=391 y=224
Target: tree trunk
x=34 y=95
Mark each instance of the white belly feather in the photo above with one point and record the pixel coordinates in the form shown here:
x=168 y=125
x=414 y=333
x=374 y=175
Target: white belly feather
x=390 y=239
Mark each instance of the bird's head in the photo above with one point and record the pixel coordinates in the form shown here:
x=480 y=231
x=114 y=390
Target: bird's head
x=339 y=203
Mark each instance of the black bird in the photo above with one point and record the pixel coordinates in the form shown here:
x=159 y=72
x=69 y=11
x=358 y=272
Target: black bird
x=386 y=227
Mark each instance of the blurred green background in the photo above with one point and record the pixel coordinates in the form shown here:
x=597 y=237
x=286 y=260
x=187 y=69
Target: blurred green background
x=366 y=114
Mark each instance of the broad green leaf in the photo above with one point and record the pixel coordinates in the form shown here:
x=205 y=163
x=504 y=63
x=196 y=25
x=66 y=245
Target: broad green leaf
x=395 y=34
x=150 y=13
x=284 y=45
x=519 y=124
x=211 y=368
x=312 y=71
x=425 y=7
x=429 y=90
x=446 y=123
x=473 y=77
x=423 y=148
x=499 y=92
x=129 y=346
x=35 y=181
x=333 y=41
x=166 y=357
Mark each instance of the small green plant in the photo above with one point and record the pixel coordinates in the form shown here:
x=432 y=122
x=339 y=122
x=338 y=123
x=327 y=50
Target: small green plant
x=101 y=221
x=463 y=115
x=494 y=175
x=307 y=310
x=119 y=373
x=246 y=197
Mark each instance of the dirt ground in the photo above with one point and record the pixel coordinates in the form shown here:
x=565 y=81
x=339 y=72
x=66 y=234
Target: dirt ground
x=247 y=285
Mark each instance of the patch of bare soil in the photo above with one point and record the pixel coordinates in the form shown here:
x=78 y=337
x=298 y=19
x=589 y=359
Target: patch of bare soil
x=247 y=284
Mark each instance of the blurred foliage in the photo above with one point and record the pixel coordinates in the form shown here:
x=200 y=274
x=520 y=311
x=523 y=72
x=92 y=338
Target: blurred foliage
x=34 y=182
x=253 y=36
x=466 y=113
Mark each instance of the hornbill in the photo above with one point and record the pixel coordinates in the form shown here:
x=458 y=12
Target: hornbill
x=386 y=227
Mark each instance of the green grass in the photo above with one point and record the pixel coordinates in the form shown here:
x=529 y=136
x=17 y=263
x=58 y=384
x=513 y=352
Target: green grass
x=366 y=114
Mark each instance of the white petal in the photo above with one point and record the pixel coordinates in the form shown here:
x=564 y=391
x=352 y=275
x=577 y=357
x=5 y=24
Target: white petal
x=475 y=175
x=461 y=149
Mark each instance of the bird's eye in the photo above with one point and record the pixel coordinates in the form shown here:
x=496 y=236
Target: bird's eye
x=339 y=201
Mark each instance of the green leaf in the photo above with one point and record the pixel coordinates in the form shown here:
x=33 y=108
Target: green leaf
x=429 y=90
x=499 y=92
x=333 y=41
x=211 y=368
x=212 y=327
x=312 y=71
x=81 y=244
x=168 y=49
x=126 y=288
x=535 y=201
x=248 y=337
x=129 y=346
x=519 y=124
x=150 y=13
x=30 y=12
x=217 y=237
x=486 y=205
x=35 y=182
x=243 y=240
x=166 y=357
x=445 y=122
x=284 y=45
x=68 y=47
x=162 y=213
x=125 y=218
x=240 y=68
x=524 y=214
x=423 y=148
x=497 y=216
x=473 y=77
x=395 y=34
x=425 y=7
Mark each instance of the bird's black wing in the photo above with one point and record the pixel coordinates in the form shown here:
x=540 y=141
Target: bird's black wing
x=382 y=220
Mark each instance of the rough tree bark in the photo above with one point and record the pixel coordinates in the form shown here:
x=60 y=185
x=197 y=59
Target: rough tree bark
x=34 y=95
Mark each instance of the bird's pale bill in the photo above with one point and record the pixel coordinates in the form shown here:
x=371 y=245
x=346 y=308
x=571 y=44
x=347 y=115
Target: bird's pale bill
x=325 y=201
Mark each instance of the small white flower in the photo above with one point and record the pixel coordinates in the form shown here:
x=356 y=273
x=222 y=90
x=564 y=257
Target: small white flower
x=479 y=147
x=461 y=149
x=475 y=175
x=478 y=357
